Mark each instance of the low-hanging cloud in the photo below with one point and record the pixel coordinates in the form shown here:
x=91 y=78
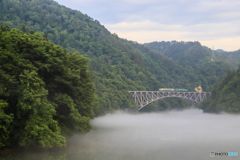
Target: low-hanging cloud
x=172 y=135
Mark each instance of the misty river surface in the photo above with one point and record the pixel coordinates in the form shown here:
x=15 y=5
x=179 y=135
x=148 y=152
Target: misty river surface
x=174 y=135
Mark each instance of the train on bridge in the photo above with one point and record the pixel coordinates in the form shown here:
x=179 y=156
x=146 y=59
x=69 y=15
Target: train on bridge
x=143 y=98
x=173 y=90
x=197 y=89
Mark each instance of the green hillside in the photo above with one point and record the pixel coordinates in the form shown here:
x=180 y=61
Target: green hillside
x=45 y=92
x=194 y=54
x=118 y=65
x=225 y=96
x=197 y=59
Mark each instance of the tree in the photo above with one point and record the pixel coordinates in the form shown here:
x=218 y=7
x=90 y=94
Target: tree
x=5 y=123
x=39 y=80
x=40 y=129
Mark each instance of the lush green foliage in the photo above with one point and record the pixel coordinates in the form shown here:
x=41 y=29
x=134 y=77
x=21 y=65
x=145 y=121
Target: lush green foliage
x=46 y=92
x=43 y=91
x=118 y=65
x=5 y=123
x=225 y=96
x=206 y=66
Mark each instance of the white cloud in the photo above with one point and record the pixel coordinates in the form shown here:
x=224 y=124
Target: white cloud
x=213 y=22
x=211 y=34
x=208 y=30
x=218 y=4
x=146 y=31
x=139 y=1
x=229 y=16
x=141 y=26
x=229 y=44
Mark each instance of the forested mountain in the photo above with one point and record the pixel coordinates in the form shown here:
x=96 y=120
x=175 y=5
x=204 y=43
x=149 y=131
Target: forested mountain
x=118 y=65
x=230 y=58
x=45 y=92
x=225 y=96
x=194 y=54
x=201 y=60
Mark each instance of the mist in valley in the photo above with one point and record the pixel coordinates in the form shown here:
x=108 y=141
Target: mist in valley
x=171 y=135
x=189 y=134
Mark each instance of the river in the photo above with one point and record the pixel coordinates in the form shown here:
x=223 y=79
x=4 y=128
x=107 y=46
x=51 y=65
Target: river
x=174 y=135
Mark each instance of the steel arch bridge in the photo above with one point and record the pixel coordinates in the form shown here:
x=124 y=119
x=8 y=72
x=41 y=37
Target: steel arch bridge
x=143 y=98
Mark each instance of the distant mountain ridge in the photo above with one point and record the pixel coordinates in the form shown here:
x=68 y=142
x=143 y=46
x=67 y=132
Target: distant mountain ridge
x=193 y=51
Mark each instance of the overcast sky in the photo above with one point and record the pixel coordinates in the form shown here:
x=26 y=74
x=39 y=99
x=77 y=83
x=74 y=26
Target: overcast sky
x=215 y=23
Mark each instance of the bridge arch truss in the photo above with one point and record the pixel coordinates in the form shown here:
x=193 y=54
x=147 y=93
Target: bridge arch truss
x=143 y=98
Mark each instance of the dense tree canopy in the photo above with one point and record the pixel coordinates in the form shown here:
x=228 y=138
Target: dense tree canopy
x=207 y=66
x=119 y=65
x=44 y=91
x=225 y=95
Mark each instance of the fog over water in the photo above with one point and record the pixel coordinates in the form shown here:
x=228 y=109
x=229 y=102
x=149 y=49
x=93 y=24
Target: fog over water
x=174 y=135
